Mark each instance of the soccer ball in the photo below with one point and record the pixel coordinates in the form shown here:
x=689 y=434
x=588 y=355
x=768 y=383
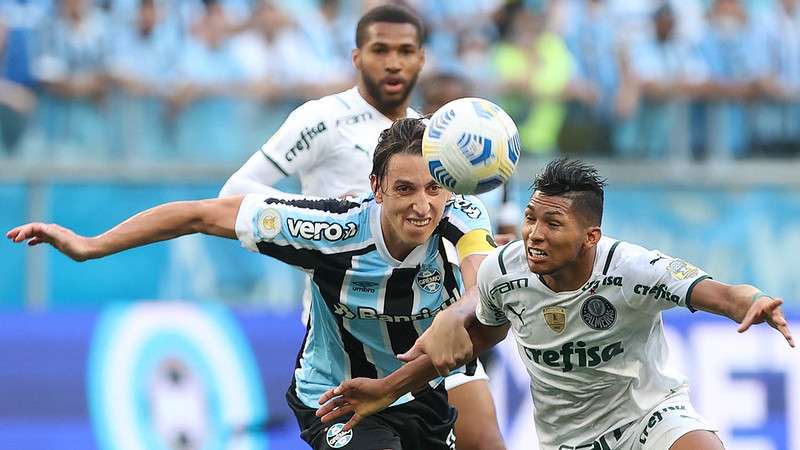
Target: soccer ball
x=471 y=146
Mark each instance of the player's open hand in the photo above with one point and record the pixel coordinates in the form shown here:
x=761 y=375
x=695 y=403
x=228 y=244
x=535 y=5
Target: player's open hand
x=360 y=396
x=767 y=309
x=64 y=240
x=446 y=342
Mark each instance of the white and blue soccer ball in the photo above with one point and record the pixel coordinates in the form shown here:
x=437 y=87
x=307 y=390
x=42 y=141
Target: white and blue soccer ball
x=471 y=146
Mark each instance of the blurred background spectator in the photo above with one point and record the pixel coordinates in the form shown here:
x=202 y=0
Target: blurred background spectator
x=203 y=81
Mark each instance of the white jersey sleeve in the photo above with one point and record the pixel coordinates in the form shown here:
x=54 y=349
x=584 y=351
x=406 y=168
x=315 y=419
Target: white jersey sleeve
x=256 y=176
x=656 y=281
x=490 y=309
x=296 y=147
x=299 y=143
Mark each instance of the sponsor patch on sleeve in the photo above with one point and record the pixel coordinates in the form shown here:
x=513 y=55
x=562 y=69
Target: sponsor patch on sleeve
x=268 y=224
x=682 y=270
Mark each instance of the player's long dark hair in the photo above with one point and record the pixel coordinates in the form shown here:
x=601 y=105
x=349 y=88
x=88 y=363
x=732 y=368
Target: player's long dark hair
x=577 y=180
x=403 y=137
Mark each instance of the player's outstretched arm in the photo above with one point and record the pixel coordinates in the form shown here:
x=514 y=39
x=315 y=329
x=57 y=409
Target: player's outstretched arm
x=215 y=217
x=366 y=396
x=455 y=336
x=742 y=303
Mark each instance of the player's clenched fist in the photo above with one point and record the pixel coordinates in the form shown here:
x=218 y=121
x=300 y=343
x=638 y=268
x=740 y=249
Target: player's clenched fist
x=63 y=239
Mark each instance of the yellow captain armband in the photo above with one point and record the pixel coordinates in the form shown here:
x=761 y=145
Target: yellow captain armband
x=475 y=242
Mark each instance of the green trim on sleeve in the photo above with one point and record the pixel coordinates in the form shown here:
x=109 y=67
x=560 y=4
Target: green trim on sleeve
x=274 y=163
x=500 y=257
x=691 y=288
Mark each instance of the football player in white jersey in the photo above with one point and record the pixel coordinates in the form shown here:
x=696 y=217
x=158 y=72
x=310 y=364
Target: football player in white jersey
x=585 y=311
x=328 y=144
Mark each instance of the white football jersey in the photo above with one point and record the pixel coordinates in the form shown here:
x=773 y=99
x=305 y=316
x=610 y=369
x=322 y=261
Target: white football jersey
x=597 y=356
x=328 y=143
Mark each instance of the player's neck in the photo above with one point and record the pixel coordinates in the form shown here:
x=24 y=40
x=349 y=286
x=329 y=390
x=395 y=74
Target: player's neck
x=392 y=114
x=574 y=276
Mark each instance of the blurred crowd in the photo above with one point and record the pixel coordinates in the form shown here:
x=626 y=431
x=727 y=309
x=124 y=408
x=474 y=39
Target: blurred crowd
x=209 y=81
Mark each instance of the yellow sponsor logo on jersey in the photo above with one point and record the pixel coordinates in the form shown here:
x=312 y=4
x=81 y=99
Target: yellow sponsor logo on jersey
x=682 y=270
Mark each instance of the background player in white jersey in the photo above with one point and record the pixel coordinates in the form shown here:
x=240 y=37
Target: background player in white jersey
x=328 y=144
x=586 y=314
x=382 y=268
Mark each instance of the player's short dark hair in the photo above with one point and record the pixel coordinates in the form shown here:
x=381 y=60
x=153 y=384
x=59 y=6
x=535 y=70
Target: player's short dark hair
x=578 y=181
x=403 y=137
x=388 y=13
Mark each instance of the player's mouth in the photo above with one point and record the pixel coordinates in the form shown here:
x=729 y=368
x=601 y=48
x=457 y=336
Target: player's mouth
x=420 y=223
x=393 y=85
x=536 y=255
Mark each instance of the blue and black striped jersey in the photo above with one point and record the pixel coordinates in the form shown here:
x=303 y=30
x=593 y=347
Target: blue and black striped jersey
x=366 y=305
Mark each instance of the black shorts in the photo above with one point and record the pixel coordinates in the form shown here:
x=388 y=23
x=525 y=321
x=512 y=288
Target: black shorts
x=423 y=423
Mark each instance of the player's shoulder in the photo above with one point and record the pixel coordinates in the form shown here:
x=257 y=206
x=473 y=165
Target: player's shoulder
x=330 y=210
x=465 y=206
x=327 y=108
x=620 y=256
x=506 y=260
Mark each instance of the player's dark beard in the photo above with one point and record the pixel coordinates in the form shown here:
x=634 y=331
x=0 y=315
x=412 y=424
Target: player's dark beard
x=374 y=91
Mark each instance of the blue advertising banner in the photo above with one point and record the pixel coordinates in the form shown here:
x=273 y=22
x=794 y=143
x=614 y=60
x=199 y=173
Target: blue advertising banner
x=159 y=375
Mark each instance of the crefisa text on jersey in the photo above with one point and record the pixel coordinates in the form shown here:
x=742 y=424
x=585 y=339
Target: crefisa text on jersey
x=606 y=281
x=306 y=136
x=658 y=292
x=586 y=356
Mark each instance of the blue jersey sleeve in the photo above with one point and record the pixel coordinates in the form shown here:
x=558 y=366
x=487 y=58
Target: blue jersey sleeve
x=301 y=231
x=466 y=224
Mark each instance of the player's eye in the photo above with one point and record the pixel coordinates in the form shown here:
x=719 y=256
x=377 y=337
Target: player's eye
x=554 y=224
x=434 y=189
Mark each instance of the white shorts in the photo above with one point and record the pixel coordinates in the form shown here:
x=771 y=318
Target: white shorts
x=457 y=379
x=663 y=425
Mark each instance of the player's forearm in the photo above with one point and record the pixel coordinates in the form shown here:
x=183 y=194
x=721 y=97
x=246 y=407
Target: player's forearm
x=731 y=301
x=165 y=222
x=464 y=309
x=740 y=298
x=412 y=377
x=484 y=337
x=415 y=375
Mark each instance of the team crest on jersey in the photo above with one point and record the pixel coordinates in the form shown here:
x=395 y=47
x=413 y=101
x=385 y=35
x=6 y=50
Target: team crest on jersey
x=336 y=438
x=598 y=313
x=429 y=279
x=268 y=223
x=556 y=318
x=681 y=270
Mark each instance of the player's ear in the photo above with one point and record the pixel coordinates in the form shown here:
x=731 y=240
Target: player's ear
x=593 y=235
x=356 y=55
x=375 y=185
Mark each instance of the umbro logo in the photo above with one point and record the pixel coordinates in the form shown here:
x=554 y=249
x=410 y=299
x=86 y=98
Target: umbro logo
x=367 y=287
